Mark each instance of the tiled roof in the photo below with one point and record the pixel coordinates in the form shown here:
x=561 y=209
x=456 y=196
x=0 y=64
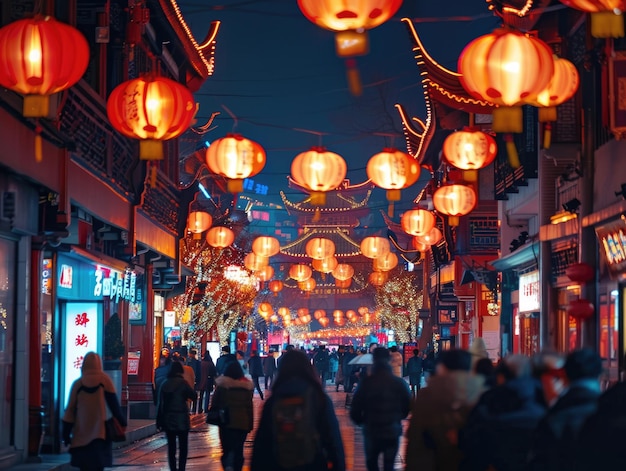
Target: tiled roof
x=345 y=246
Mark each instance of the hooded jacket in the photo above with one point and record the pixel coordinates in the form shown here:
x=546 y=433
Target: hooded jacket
x=172 y=408
x=235 y=395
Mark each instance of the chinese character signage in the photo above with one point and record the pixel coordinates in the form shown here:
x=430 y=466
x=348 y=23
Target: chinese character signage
x=529 y=300
x=612 y=241
x=81 y=334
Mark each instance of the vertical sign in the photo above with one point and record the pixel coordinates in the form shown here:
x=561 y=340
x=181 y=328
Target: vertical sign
x=529 y=292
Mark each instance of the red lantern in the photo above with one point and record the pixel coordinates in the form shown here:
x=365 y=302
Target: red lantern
x=235 y=158
x=319 y=248
x=151 y=109
x=319 y=313
x=470 y=149
x=606 y=16
x=325 y=265
x=454 y=200
x=319 y=171
x=417 y=222
x=393 y=170
x=276 y=286
x=378 y=278
x=385 y=263
x=254 y=262
x=580 y=272
x=373 y=247
x=324 y=321
x=343 y=284
x=266 y=246
x=308 y=284
x=343 y=271
x=431 y=238
x=40 y=56
x=300 y=272
x=265 y=273
x=220 y=237
x=580 y=309
x=198 y=221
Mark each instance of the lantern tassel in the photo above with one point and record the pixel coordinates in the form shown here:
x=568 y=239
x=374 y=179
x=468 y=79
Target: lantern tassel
x=547 y=135
x=153 y=175
x=38 y=144
x=511 y=151
x=318 y=214
x=390 y=209
x=354 y=78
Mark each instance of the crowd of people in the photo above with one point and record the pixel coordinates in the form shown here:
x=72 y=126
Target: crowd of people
x=458 y=411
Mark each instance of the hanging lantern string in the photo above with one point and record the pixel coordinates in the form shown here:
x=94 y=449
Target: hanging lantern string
x=319 y=134
x=206 y=127
x=232 y=115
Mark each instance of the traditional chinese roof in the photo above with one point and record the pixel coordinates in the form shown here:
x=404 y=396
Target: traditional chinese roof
x=443 y=84
x=345 y=246
x=336 y=201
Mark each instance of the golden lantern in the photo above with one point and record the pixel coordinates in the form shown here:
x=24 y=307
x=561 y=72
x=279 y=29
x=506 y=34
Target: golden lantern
x=276 y=286
x=302 y=312
x=351 y=314
x=368 y=318
x=337 y=313
x=284 y=311
x=373 y=246
x=265 y=246
x=392 y=170
x=507 y=68
x=325 y=265
x=469 y=150
x=220 y=237
x=265 y=273
x=343 y=271
x=343 y=284
x=319 y=313
x=324 y=321
x=300 y=272
x=431 y=238
x=254 y=262
x=606 y=16
x=378 y=278
x=454 y=200
x=198 y=222
x=339 y=321
x=561 y=88
x=265 y=310
x=417 y=221
x=41 y=56
x=319 y=171
x=307 y=285
x=387 y=262
x=319 y=248
x=235 y=158
x=151 y=109
x=274 y=318
x=363 y=310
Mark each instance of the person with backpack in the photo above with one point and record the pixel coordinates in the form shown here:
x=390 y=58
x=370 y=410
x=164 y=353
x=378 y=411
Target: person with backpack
x=233 y=395
x=380 y=403
x=298 y=429
x=255 y=367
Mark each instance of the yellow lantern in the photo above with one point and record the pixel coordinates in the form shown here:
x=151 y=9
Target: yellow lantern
x=276 y=286
x=454 y=200
x=254 y=262
x=300 y=272
x=343 y=271
x=235 y=158
x=417 y=221
x=319 y=171
x=319 y=248
x=198 y=222
x=325 y=265
x=387 y=262
x=469 y=150
x=220 y=237
x=373 y=246
x=606 y=16
x=393 y=170
x=265 y=246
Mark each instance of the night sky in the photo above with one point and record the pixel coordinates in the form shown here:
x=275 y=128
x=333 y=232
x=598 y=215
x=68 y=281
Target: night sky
x=278 y=81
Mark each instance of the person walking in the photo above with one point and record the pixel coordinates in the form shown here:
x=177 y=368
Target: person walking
x=322 y=363
x=196 y=366
x=380 y=403
x=225 y=358
x=92 y=398
x=233 y=394
x=396 y=361
x=208 y=373
x=160 y=373
x=269 y=369
x=339 y=379
x=298 y=428
x=173 y=415
x=415 y=369
x=255 y=367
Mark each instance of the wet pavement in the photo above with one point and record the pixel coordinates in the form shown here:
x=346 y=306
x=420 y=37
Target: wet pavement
x=149 y=450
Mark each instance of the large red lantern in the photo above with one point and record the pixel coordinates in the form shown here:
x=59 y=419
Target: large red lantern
x=387 y=262
x=580 y=309
x=580 y=272
x=454 y=200
x=235 y=158
x=606 y=16
x=393 y=170
x=198 y=221
x=319 y=248
x=319 y=171
x=276 y=286
x=374 y=246
x=151 y=109
x=417 y=221
x=254 y=262
x=300 y=272
x=266 y=246
x=220 y=237
x=40 y=56
x=470 y=150
x=325 y=265
x=343 y=271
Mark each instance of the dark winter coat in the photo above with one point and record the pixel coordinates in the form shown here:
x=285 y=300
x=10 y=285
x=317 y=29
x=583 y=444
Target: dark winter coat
x=235 y=396
x=172 y=408
x=208 y=373
x=269 y=365
x=555 y=439
x=223 y=361
x=263 y=458
x=498 y=432
x=415 y=368
x=321 y=360
x=255 y=366
x=380 y=402
x=196 y=366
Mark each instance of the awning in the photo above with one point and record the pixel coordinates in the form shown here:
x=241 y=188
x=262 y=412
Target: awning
x=523 y=255
x=606 y=213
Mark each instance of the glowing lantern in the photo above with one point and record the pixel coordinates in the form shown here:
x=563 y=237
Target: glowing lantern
x=276 y=286
x=254 y=262
x=265 y=273
x=337 y=313
x=454 y=200
x=235 y=158
x=198 y=221
x=319 y=313
x=351 y=314
x=580 y=309
x=307 y=285
x=387 y=262
x=265 y=310
x=433 y=236
x=320 y=248
x=151 y=109
x=393 y=170
x=319 y=171
x=274 y=318
x=339 y=321
x=41 y=56
x=350 y=19
x=373 y=247
x=324 y=321
x=417 y=221
x=507 y=68
x=343 y=284
x=367 y=318
x=343 y=271
x=265 y=246
x=470 y=150
x=220 y=237
x=284 y=311
x=303 y=312
x=378 y=278
x=325 y=265
x=300 y=272
x=606 y=16
x=417 y=244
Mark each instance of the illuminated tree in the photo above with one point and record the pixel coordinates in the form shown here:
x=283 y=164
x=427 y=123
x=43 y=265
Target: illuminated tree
x=398 y=302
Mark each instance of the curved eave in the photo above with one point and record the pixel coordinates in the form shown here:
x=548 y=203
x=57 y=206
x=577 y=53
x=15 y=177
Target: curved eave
x=305 y=206
x=346 y=186
x=418 y=135
x=294 y=249
x=443 y=84
x=355 y=288
x=201 y=54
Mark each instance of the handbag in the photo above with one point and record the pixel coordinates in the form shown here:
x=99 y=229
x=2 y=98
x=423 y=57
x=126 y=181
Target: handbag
x=217 y=416
x=114 y=430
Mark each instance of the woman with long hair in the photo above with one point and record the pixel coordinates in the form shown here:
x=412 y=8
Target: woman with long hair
x=173 y=414
x=208 y=373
